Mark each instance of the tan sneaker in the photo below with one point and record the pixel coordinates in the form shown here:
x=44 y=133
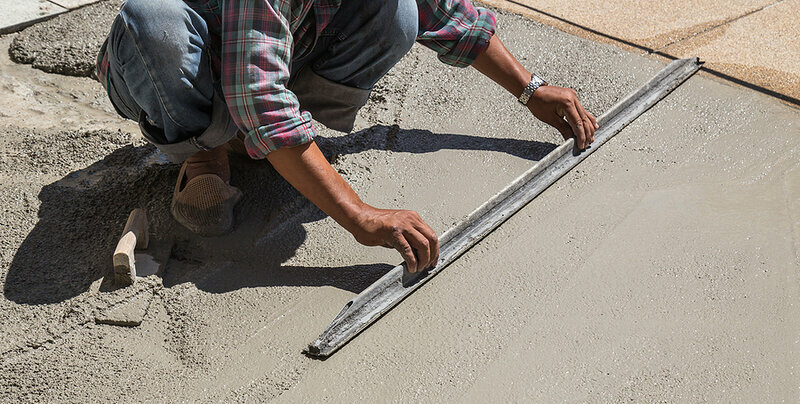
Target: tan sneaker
x=203 y=200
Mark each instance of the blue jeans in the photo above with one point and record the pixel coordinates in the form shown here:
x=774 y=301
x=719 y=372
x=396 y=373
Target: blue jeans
x=160 y=71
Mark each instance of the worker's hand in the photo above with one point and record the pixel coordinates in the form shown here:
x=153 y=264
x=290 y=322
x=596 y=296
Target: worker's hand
x=402 y=230
x=310 y=173
x=559 y=107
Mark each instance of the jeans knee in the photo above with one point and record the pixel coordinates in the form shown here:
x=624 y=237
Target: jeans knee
x=138 y=14
x=403 y=26
x=135 y=10
x=159 y=53
x=163 y=26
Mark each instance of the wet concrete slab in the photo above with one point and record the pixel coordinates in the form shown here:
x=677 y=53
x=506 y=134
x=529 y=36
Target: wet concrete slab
x=664 y=268
x=575 y=290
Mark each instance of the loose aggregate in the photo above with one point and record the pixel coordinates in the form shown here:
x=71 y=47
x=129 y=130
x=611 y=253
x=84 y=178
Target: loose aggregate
x=67 y=44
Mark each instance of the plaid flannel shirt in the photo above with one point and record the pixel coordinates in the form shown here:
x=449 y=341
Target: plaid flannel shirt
x=254 y=41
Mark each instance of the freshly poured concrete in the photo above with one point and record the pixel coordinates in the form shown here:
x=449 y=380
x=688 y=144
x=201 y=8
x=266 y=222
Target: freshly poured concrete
x=67 y=44
x=662 y=268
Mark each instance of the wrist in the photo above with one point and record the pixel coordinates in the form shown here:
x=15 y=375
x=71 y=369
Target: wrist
x=354 y=215
x=521 y=79
x=530 y=89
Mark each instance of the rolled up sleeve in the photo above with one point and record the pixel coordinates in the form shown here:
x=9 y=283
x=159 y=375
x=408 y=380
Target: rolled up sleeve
x=455 y=29
x=256 y=53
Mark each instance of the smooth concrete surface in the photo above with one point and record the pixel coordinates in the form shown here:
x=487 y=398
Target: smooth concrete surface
x=19 y=14
x=663 y=268
x=750 y=40
x=73 y=4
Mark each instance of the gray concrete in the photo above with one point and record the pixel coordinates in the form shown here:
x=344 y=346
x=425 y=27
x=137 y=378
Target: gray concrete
x=663 y=269
x=67 y=44
x=73 y=4
x=672 y=277
x=20 y=14
x=129 y=313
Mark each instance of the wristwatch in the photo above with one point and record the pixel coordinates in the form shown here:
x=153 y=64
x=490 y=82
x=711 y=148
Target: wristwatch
x=535 y=83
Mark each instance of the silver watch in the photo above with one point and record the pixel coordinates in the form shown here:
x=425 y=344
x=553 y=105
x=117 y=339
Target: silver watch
x=535 y=83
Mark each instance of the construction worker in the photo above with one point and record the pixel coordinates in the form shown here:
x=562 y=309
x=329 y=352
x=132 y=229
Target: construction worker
x=195 y=73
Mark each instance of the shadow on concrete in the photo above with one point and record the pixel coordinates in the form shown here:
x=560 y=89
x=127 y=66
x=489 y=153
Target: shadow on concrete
x=423 y=141
x=81 y=217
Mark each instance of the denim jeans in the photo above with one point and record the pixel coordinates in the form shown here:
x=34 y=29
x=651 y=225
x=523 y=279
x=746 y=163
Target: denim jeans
x=160 y=73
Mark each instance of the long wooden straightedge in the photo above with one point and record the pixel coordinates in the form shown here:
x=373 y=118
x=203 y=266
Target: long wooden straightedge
x=393 y=287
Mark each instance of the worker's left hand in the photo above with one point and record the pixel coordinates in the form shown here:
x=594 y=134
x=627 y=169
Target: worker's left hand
x=560 y=108
x=556 y=106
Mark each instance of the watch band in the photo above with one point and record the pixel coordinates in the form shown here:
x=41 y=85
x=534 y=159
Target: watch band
x=535 y=83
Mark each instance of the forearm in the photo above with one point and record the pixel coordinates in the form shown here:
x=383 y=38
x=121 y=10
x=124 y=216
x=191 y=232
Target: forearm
x=310 y=173
x=497 y=63
x=557 y=106
x=307 y=170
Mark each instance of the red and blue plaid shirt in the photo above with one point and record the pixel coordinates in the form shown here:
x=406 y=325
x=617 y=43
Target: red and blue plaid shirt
x=253 y=44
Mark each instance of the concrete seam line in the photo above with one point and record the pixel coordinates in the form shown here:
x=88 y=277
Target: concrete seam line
x=397 y=284
x=25 y=24
x=650 y=51
x=722 y=24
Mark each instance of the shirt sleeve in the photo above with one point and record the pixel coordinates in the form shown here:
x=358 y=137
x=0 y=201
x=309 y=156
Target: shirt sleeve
x=455 y=29
x=256 y=53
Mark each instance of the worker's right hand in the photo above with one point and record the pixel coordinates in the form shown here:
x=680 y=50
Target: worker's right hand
x=402 y=230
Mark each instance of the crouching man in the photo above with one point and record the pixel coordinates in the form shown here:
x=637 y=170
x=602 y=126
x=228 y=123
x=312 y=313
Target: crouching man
x=206 y=77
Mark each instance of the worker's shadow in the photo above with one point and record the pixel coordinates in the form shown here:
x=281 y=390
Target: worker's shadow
x=81 y=217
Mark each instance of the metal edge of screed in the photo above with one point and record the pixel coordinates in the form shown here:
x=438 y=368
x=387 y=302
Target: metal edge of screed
x=395 y=285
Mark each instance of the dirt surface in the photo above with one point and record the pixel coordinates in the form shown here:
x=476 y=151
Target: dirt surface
x=662 y=268
x=772 y=56
x=749 y=42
